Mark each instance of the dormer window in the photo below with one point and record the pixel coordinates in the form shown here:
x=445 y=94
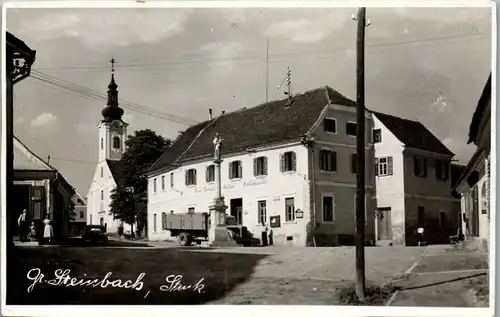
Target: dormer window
x=116 y=142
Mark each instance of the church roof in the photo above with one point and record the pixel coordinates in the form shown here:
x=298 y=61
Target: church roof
x=116 y=168
x=269 y=123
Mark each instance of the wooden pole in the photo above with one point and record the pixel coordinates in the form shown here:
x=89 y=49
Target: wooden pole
x=360 y=145
x=267 y=70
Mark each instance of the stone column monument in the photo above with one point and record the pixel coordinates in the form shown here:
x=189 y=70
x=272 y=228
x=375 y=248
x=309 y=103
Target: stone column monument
x=218 y=234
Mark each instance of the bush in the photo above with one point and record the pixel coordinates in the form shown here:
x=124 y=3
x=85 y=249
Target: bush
x=374 y=295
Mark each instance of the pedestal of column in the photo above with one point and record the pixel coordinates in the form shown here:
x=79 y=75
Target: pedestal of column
x=218 y=234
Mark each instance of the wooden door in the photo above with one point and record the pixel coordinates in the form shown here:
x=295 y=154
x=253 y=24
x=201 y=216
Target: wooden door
x=384 y=224
x=37 y=202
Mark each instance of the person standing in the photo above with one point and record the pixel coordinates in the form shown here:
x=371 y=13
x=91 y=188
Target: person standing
x=48 y=231
x=23 y=224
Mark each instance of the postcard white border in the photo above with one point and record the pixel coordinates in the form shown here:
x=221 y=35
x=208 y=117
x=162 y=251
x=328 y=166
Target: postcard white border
x=248 y=310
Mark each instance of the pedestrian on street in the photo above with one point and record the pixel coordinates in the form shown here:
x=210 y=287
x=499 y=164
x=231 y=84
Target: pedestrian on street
x=23 y=224
x=48 y=231
x=420 y=233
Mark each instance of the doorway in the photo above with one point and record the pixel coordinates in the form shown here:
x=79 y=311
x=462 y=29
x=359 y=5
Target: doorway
x=384 y=224
x=236 y=209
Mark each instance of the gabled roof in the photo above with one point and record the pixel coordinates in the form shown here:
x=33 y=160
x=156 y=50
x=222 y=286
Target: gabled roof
x=116 y=168
x=412 y=134
x=269 y=123
x=25 y=159
x=456 y=172
x=481 y=110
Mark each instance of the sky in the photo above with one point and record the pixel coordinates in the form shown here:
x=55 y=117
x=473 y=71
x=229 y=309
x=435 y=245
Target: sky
x=423 y=64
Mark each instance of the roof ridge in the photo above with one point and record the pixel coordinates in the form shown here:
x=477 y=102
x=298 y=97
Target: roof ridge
x=196 y=138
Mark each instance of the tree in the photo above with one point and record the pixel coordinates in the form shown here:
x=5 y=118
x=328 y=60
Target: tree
x=128 y=198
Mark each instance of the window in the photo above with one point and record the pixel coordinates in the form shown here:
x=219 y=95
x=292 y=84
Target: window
x=235 y=170
x=191 y=210
x=163 y=221
x=366 y=209
x=377 y=136
x=442 y=219
x=328 y=160
x=101 y=221
x=330 y=125
x=420 y=166
x=260 y=166
x=116 y=142
x=82 y=214
x=171 y=180
x=442 y=170
x=102 y=195
x=102 y=172
x=328 y=209
x=163 y=182
x=210 y=173
x=191 y=177
x=154 y=185
x=154 y=222
x=262 y=212
x=350 y=128
x=421 y=216
x=354 y=163
x=288 y=162
x=102 y=144
x=290 y=209
x=383 y=166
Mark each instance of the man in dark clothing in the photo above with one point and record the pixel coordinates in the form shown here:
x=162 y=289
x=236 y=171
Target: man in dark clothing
x=23 y=223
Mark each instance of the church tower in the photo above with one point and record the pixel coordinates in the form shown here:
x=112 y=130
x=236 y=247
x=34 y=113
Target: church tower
x=112 y=129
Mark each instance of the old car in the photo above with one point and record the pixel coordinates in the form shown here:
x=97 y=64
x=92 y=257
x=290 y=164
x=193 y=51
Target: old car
x=95 y=234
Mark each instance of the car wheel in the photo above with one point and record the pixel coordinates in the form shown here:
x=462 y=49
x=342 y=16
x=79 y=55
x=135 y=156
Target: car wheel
x=185 y=239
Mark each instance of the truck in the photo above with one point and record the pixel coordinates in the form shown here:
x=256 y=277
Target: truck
x=193 y=227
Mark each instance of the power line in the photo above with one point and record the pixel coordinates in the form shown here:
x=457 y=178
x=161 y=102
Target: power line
x=258 y=56
x=91 y=94
x=71 y=160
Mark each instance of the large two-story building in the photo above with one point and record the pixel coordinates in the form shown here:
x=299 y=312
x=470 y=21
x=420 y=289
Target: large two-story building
x=287 y=164
x=413 y=183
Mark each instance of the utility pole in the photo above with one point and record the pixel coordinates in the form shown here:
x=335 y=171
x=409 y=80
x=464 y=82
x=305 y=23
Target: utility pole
x=360 y=149
x=267 y=70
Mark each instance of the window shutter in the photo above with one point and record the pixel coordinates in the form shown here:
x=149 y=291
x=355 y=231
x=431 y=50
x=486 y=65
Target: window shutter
x=334 y=161
x=389 y=165
x=282 y=162
x=194 y=175
x=294 y=161
x=265 y=166
x=187 y=177
x=230 y=170
x=255 y=171
x=447 y=171
x=436 y=168
x=425 y=166
x=240 y=169
x=376 y=166
x=207 y=174
x=321 y=159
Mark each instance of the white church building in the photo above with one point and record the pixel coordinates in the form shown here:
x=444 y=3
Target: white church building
x=112 y=134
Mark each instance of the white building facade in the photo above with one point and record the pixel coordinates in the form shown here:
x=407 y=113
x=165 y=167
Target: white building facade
x=112 y=134
x=413 y=181
x=292 y=173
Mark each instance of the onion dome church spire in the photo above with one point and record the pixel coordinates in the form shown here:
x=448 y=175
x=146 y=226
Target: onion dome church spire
x=112 y=111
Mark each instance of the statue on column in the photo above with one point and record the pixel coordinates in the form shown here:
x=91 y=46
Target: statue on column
x=217 y=143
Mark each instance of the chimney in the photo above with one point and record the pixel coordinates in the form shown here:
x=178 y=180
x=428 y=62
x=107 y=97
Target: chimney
x=223 y=112
x=209 y=114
